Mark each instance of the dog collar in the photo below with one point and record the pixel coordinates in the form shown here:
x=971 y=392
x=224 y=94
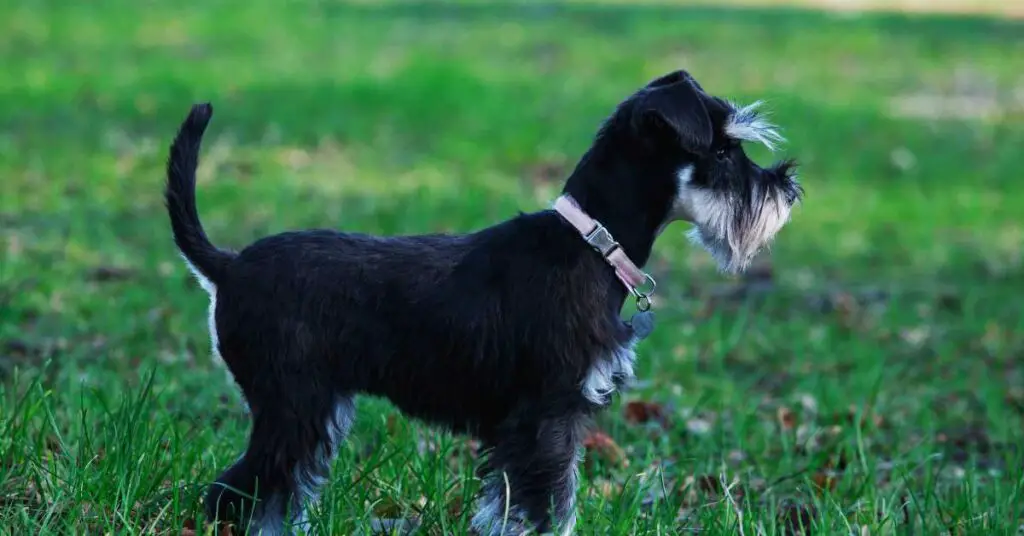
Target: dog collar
x=599 y=238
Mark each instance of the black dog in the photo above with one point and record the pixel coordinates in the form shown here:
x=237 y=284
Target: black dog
x=511 y=333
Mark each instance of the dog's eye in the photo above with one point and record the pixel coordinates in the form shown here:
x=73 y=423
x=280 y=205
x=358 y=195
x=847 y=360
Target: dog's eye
x=722 y=154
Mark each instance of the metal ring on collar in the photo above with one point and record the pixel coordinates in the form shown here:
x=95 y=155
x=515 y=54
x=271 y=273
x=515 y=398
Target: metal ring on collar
x=643 y=299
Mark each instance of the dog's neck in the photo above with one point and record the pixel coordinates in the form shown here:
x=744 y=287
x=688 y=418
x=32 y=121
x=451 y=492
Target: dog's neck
x=601 y=240
x=631 y=228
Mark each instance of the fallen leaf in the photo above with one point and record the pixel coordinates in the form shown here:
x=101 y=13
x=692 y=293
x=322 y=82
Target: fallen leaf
x=190 y=528
x=455 y=507
x=600 y=445
x=387 y=508
x=851 y=417
x=824 y=480
x=786 y=418
x=639 y=412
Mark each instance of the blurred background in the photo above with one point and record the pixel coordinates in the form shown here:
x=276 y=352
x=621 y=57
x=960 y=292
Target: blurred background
x=868 y=371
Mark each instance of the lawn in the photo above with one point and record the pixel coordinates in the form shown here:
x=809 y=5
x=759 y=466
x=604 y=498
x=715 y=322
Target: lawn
x=867 y=376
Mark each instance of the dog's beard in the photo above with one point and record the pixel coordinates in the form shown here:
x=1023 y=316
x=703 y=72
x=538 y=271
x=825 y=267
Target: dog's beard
x=734 y=230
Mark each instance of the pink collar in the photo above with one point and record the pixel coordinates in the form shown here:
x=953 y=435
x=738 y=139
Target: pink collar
x=601 y=240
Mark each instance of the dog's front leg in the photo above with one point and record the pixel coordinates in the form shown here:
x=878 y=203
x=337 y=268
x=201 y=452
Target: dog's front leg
x=532 y=477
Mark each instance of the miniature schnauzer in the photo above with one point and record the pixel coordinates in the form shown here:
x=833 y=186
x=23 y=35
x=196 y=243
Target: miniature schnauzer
x=511 y=334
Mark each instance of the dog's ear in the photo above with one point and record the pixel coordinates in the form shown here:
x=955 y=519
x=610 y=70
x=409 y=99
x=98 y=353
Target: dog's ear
x=673 y=77
x=675 y=101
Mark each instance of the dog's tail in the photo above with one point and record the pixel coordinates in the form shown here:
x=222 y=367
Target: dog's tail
x=206 y=259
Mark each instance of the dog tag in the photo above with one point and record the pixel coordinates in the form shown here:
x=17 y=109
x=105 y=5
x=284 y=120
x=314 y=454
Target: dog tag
x=642 y=324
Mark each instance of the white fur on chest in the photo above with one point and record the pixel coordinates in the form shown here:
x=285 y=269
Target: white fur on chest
x=600 y=381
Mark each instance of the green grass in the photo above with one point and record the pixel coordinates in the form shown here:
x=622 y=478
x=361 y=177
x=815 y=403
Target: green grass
x=882 y=344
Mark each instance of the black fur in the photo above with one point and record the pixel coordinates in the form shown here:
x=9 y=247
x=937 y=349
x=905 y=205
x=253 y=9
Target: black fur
x=181 y=197
x=490 y=333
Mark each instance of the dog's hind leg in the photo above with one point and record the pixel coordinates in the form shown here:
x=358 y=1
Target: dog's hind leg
x=291 y=447
x=533 y=478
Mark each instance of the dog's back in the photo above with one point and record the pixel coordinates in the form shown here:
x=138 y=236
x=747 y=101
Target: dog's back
x=408 y=317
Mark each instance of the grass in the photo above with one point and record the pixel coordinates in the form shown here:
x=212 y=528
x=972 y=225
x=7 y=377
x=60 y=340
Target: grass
x=868 y=377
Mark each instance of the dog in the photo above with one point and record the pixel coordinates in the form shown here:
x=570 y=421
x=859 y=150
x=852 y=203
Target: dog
x=511 y=334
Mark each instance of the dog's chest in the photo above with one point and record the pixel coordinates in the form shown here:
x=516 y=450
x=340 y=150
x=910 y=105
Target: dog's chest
x=609 y=371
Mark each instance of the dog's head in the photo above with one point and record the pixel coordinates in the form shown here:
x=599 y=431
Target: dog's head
x=683 y=150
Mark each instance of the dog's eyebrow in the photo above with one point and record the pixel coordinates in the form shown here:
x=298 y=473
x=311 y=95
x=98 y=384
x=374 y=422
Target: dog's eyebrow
x=746 y=123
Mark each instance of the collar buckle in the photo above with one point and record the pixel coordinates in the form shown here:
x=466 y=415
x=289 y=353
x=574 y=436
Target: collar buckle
x=601 y=240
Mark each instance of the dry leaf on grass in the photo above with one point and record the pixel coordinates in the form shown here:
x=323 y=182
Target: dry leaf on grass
x=189 y=528
x=824 y=480
x=599 y=445
x=851 y=418
x=640 y=412
x=387 y=508
x=785 y=417
x=455 y=507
